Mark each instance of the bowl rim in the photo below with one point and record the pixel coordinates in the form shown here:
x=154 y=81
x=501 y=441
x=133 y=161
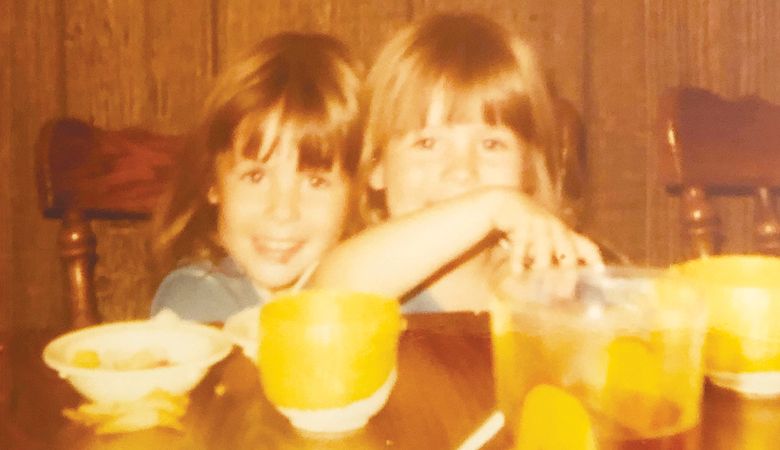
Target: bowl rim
x=222 y=347
x=233 y=326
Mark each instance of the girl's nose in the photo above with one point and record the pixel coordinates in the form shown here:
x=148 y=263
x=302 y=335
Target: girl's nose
x=461 y=163
x=284 y=204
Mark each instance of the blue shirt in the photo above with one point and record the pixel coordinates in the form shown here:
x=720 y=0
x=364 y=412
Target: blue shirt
x=206 y=292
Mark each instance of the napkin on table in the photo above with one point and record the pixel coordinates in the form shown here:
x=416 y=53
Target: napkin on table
x=157 y=409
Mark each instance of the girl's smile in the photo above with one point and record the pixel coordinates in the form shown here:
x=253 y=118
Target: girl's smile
x=281 y=251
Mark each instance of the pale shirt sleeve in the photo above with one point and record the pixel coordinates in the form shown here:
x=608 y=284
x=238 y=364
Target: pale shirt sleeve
x=421 y=303
x=202 y=295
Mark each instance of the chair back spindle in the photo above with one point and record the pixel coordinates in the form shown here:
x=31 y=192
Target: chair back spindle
x=767 y=227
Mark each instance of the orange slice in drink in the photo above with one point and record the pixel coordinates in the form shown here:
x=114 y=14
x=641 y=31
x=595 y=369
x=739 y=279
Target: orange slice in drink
x=553 y=419
x=633 y=391
x=633 y=367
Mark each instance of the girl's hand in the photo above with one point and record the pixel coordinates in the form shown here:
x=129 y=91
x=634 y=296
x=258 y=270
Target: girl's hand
x=537 y=239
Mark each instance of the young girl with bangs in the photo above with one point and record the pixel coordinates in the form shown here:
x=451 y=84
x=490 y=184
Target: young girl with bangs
x=262 y=189
x=460 y=170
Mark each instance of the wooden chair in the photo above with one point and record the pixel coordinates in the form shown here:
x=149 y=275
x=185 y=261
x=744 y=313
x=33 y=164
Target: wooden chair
x=711 y=146
x=84 y=173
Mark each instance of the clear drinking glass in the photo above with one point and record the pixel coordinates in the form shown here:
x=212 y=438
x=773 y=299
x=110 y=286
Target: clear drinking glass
x=742 y=351
x=598 y=358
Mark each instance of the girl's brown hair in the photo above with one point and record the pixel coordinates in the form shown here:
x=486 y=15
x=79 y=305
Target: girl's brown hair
x=304 y=84
x=477 y=71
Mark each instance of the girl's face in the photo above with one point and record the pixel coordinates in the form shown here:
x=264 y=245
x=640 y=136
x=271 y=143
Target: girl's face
x=439 y=162
x=276 y=220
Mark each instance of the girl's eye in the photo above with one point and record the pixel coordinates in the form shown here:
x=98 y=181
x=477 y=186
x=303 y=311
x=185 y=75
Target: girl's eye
x=424 y=143
x=254 y=175
x=317 y=181
x=494 y=144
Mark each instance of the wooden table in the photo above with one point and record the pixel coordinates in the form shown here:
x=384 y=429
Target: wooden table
x=444 y=391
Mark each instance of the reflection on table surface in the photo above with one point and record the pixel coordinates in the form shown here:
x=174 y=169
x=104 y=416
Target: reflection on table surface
x=444 y=391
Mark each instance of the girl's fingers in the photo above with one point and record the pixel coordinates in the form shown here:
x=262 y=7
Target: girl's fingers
x=541 y=246
x=542 y=240
x=587 y=252
x=565 y=253
x=518 y=249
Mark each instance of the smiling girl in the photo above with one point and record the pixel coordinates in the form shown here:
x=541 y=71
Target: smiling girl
x=458 y=167
x=263 y=187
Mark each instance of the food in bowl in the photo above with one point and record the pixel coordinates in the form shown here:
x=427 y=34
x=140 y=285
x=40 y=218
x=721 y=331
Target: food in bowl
x=147 y=358
x=126 y=361
x=743 y=341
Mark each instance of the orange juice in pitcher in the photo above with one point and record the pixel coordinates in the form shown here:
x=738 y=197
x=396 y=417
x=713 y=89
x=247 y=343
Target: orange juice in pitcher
x=603 y=360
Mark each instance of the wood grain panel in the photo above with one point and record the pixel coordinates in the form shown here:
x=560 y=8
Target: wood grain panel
x=731 y=47
x=105 y=63
x=106 y=83
x=554 y=27
x=617 y=123
x=127 y=64
x=36 y=96
x=178 y=50
x=557 y=28
x=6 y=268
x=364 y=25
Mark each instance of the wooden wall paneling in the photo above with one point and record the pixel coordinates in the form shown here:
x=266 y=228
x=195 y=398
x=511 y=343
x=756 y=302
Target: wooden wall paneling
x=127 y=64
x=36 y=96
x=730 y=47
x=364 y=25
x=714 y=30
x=179 y=45
x=557 y=28
x=665 y=35
x=179 y=40
x=554 y=27
x=618 y=124
x=6 y=259
x=106 y=82
x=744 y=60
x=105 y=63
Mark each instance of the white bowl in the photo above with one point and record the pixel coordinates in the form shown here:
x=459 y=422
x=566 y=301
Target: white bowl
x=243 y=329
x=188 y=350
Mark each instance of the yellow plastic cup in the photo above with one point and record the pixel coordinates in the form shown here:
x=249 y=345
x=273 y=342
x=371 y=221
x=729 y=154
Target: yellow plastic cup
x=743 y=342
x=328 y=358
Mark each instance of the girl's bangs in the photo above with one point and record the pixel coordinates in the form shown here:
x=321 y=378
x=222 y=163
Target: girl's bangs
x=320 y=149
x=443 y=101
x=320 y=145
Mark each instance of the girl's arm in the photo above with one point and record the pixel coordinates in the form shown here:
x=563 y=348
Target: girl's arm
x=393 y=257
